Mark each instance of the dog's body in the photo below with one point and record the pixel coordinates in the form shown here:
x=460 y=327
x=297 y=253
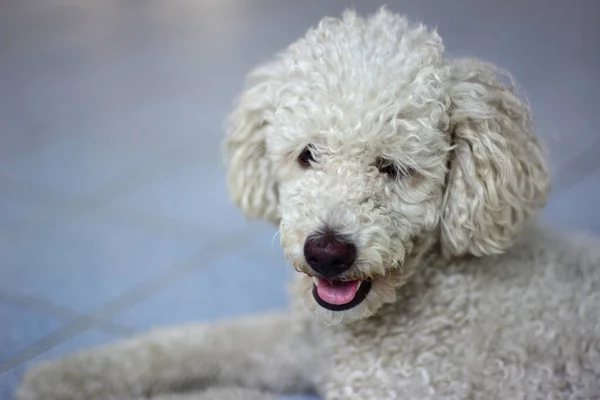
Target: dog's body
x=403 y=184
x=523 y=325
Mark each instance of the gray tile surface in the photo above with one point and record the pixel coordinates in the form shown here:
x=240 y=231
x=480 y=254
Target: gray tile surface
x=85 y=261
x=22 y=327
x=576 y=208
x=113 y=211
x=246 y=281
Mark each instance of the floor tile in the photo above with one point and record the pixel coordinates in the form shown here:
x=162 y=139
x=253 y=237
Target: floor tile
x=577 y=208
x=15 y=207
x=9 y=380
x=22 y=327
x=79 y=166
x=250 y=280
x=196 y=195
x=86 y=261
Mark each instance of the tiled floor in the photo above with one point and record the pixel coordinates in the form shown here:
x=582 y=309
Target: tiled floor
x=114 y=215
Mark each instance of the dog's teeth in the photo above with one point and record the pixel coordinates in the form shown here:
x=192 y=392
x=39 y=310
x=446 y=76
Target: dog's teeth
x=315 y=280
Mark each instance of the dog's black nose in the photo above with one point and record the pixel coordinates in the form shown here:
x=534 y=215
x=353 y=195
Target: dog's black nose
x=328 y=255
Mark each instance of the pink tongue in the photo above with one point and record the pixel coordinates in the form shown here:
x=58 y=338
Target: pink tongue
x=337 y=292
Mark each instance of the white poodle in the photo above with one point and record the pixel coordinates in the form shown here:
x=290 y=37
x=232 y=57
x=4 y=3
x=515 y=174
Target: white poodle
x=403 y=183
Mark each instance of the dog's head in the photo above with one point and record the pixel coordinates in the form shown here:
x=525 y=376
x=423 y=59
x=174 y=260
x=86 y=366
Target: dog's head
x=370 y=149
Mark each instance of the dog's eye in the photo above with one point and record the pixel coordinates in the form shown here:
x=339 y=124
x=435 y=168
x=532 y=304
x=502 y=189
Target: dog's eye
x=306 y=157
x=393 y=170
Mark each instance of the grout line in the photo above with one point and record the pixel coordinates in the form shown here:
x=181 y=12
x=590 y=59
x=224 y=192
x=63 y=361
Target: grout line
x=63 y=313
x=130 y=298
x=57 y=337
x=161 y=280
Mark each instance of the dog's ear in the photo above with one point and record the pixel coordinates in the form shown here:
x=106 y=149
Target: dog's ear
x=250 y=174
x=498 y=175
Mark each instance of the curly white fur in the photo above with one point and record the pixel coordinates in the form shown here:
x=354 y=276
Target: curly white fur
x=359 y=89
x=467 y=300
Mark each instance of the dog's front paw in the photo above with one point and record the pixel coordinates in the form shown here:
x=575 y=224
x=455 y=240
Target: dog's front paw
x=61 y=380
x=47 y=381
x=72 y=378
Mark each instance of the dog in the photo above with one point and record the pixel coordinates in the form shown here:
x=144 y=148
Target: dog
x=405 y=185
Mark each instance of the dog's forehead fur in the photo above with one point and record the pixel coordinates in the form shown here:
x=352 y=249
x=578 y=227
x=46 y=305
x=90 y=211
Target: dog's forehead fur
x=360 y=84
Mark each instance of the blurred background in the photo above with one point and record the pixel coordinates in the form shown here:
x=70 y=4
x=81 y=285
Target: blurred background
x=114 y=215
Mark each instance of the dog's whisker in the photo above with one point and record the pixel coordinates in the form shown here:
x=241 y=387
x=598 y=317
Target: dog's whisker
x=277 y=233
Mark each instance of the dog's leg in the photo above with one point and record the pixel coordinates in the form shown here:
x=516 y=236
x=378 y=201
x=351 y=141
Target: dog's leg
x=255 y=352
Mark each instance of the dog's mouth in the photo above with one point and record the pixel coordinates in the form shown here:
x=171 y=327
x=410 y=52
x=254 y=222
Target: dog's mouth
x=336 y=295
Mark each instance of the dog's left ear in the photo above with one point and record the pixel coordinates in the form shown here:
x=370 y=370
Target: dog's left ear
x=498 y=175
x=250 y=175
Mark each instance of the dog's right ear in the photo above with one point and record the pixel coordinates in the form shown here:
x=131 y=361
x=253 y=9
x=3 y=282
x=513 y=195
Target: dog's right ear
x=250 y=175
x=498 y=177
